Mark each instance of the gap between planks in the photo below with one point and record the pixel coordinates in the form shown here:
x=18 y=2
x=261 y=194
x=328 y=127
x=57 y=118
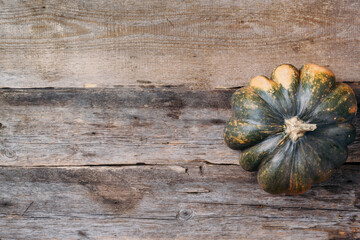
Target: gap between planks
x=197 y=164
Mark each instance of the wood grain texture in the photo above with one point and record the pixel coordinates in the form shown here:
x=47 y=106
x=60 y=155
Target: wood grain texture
x=203 y=44
x=163 y=202
x=140 y=155
x=170 y=125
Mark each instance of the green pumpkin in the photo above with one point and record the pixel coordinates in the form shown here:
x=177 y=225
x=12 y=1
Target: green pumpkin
x=294 y=128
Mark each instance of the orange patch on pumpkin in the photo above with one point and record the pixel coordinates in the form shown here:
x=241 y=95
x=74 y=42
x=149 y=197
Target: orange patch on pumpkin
x=262 y=83
x=353 y=109
x=284 y=75
x=316 y=69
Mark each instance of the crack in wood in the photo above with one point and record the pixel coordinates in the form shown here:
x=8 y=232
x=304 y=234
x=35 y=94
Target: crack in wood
x=28 y=207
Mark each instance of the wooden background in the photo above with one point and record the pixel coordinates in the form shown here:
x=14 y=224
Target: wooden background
x=112 y=115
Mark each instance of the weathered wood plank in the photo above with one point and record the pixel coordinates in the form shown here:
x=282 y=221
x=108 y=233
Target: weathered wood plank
x=53 y=127
x=203 y=44
x=162 y=202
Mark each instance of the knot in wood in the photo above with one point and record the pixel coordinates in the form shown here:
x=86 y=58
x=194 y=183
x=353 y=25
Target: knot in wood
x=185 y=214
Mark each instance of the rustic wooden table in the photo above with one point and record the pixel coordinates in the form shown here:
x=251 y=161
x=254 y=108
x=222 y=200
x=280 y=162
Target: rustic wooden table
x=112 y=115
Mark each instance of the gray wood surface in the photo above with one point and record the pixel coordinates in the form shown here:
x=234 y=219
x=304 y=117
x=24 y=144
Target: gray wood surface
x=173 y=125
x=203 y=44
x=114 y=128
x=171 y=202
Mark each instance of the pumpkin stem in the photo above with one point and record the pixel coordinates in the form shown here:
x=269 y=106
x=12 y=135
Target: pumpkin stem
x=296 y=128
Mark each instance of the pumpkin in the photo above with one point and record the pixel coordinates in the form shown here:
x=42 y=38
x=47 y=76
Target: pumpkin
x=293 y=128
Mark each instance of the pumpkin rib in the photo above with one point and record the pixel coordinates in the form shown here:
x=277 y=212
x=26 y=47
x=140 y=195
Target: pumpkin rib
x=269 y=91
x=285 y=72
x=300 y=179
x=288 y=78
x=239 y=135
x=292 y=166
x=277 y=113
x=328 y=148
x=247 y=105
x=338 y=107
x=251 y=158
x=343 y=133
x=283 y=141
x=316 y=83
x=272 y=174
x=316 y=161
x=303 y=149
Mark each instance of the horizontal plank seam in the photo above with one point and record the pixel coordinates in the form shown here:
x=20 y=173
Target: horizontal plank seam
x=218 y=88
x=275 y=206
x=130 y=86
x=203 y=162
x=57 y=216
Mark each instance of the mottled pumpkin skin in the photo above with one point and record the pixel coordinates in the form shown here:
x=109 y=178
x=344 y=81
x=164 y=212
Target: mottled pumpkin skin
x=257 y=127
